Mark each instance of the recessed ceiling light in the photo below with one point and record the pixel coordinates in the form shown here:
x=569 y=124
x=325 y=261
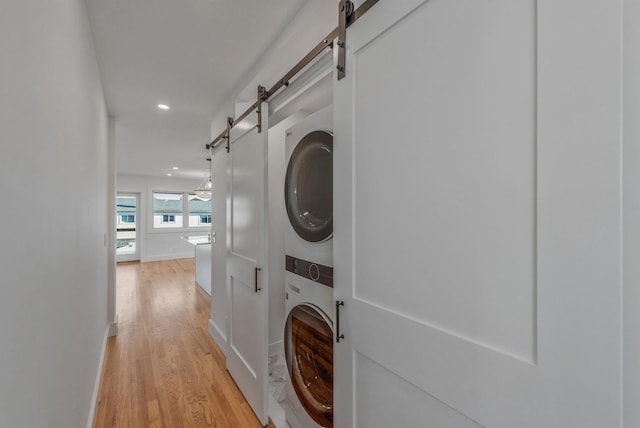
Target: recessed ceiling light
x=175 y=168
x=169 y=174
x=163 y=107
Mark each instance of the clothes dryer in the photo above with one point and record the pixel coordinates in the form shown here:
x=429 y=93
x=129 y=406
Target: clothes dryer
x=308 y=189
x=308 y=340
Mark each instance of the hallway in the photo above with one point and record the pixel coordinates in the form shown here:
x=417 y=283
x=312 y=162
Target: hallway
x=163 y=369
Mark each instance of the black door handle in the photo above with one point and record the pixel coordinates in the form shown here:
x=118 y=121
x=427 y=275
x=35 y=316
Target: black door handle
x=257 y=288
x=338 y=335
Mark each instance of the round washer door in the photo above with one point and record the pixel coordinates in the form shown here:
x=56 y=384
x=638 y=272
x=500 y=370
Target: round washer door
x=308 y=187
x=309 y=355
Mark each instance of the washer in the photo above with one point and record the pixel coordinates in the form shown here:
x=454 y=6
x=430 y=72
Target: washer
x=308 y=342
x=308 y=192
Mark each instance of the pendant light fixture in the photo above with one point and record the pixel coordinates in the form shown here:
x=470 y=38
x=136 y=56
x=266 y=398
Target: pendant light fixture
x=204 y=189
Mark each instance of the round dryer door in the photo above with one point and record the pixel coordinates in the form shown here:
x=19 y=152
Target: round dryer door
x=309 y=187
x=309 y=354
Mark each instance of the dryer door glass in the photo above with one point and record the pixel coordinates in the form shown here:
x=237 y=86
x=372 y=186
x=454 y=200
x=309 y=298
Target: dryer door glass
x=309 y=353
x=309 y=187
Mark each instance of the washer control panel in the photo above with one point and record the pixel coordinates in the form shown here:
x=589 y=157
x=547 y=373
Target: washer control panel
x=313 y=271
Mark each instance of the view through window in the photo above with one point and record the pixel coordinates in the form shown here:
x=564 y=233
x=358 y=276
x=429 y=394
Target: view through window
x=126 y=225
x=171 y=208
x=199 y=211
x=167 y=209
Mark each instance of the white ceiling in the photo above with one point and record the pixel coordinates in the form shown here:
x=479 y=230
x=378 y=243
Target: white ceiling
x=189 y=54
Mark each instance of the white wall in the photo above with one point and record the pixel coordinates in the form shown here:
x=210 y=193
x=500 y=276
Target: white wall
x=159 y=244
x=314 y=21
x=631 y=213
x=53 y=162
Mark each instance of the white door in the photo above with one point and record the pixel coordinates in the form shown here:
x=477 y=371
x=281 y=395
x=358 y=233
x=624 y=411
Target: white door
x=477 y=216
x=127 y=230
x=247 y=288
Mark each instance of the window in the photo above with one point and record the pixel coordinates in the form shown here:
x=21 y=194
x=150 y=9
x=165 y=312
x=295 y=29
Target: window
x=199 y=211
x=171 y=208
x=168 y=209
x=127 y=218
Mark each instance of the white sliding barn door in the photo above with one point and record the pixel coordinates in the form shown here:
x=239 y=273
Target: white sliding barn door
x=477 y=216
x=247 y=288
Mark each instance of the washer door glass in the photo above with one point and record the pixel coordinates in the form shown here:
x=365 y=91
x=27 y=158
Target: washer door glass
x=309 y=354
x=309 y=187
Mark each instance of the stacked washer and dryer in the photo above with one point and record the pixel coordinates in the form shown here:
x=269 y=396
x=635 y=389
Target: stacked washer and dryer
x=308 y=336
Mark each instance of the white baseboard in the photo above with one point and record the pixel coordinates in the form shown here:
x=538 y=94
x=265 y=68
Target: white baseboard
x=218 y=336
x=96 y=387
x=203 y=288
x=172 y=256
x=113 y=327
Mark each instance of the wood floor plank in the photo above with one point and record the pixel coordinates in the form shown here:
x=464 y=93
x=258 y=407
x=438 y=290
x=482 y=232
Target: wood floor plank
x=163 y=370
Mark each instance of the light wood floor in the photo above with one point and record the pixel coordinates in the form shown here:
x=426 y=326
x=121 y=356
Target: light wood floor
x=163 y=369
